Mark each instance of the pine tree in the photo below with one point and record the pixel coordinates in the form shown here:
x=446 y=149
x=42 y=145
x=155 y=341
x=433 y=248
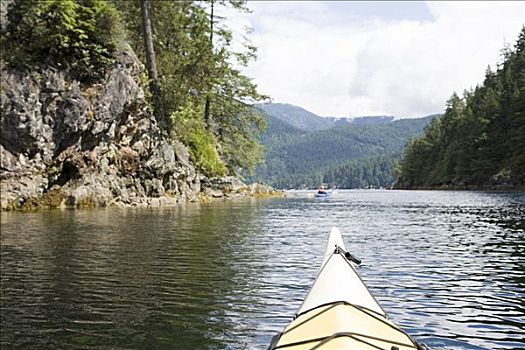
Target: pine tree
x=480 y=141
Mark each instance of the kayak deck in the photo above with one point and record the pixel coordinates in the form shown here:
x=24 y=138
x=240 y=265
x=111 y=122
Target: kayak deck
x=339 y=312
x=342 y=326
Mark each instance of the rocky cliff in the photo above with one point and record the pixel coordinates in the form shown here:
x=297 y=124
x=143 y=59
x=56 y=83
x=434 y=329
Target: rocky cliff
x=64 y=144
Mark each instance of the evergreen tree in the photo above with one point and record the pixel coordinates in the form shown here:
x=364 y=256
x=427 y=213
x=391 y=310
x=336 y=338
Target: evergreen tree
x=149 y=52
x=480 y=140
x=206 y=96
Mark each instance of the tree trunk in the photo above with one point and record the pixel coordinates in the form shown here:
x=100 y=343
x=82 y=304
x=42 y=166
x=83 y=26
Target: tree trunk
x=150 y=59
x=207 y=105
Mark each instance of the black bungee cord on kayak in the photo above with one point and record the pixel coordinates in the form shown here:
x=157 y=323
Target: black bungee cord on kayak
x=353 y=335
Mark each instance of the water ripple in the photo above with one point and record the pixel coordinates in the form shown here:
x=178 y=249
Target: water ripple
x=448 y=267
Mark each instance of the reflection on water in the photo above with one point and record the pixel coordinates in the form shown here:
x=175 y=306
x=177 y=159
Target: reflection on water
x=448 y=267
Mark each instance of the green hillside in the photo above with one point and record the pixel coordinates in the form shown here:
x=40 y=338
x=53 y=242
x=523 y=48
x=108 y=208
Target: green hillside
x=352 y=155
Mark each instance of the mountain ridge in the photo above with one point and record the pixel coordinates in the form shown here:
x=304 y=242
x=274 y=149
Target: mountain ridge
x=306 y=120
x=298 y=157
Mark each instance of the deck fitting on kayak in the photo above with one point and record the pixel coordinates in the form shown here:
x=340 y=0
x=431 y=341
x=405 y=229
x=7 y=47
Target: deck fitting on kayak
x=347 y=255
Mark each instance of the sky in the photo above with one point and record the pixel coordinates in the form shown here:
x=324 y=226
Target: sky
x=347 y=59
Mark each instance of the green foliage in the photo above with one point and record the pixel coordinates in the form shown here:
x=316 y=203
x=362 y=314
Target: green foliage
x=200 y=142
x=77 y=35
x=238 y=138
x=480 y=140
x=192 y=70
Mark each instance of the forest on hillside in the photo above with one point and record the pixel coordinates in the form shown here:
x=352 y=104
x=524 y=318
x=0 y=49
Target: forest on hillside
x=193 y=74
x=371 y=172
x=359 y=155
x=479 y=143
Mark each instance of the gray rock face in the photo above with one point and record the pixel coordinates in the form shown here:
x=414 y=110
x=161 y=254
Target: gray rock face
x=88 y=145
x=230 y=186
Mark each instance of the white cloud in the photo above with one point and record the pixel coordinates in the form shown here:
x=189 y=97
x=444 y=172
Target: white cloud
x=335 y=63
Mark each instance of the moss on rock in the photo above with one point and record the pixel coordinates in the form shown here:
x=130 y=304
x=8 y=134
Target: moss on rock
x=49 y=200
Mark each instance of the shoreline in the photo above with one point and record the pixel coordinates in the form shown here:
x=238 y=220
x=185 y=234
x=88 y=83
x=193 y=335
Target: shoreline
x=58 y=199
x=464 y=188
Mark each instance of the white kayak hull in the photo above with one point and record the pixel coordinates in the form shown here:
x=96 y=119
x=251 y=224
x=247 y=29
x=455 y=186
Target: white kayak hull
x=337 y=280
x=339 y=312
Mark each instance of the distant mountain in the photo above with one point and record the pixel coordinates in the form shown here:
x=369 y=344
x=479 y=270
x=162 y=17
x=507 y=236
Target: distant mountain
x=305 y=120
x=365 y=120
x=296 y=116
x=375 y=120
x=358 y=152
x=276 y=126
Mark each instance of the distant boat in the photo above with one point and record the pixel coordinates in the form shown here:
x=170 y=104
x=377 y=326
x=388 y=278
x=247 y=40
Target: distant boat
x=322 y=194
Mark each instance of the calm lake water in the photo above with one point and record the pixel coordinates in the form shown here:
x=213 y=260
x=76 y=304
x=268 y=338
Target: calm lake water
x=448 y=267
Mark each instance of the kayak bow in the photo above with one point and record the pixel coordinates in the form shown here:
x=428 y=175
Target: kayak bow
x=339 y=312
